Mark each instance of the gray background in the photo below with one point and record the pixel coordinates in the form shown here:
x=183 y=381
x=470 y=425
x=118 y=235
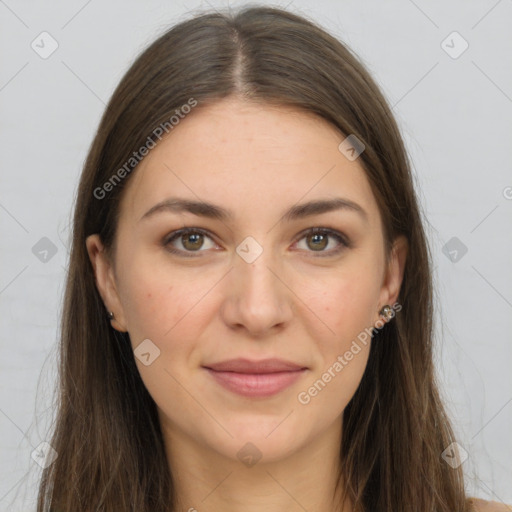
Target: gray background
x=456 y=118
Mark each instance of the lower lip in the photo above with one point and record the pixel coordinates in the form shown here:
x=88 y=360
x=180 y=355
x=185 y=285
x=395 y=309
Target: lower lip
x=259 y=385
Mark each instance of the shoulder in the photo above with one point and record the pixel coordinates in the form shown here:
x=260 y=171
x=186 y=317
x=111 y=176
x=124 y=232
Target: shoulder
x=479 y=505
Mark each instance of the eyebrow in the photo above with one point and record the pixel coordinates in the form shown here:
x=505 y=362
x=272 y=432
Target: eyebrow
x=212 y=211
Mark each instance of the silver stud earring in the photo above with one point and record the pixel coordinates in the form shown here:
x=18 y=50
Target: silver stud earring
x=386 y=312
x=110 y=315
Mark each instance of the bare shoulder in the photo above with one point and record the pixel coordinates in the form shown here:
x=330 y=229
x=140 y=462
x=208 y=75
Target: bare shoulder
x=489 y=506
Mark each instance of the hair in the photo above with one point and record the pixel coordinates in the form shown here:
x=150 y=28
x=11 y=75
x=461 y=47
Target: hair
x=107 y=434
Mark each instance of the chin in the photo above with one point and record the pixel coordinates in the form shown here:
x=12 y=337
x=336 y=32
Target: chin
x=267 y=439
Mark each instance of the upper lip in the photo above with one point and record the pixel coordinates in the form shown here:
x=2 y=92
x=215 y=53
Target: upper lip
x=241 y=365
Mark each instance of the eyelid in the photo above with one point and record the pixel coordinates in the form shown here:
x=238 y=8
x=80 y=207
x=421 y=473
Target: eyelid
x=342 y=239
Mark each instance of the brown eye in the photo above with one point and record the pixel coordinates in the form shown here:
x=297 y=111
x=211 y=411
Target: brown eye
x=190 y=240
x=318 y=239
x=193 y=241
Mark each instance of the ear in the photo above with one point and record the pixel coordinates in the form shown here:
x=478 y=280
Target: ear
x=105 y=281
x=394 y=273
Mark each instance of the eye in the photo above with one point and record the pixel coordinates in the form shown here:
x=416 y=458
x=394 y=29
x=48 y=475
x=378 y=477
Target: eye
x=318 y=240
x=192 y=240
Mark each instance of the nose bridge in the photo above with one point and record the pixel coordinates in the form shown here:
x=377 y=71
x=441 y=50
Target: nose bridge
x=257 y=298
x=255 y=269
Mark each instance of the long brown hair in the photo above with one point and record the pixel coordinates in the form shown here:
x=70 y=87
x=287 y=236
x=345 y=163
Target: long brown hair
x=107 y=435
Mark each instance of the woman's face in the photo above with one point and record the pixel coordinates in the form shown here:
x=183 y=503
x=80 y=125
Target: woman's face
x=252 y=283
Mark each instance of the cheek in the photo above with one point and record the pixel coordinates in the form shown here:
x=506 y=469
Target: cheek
x=165 y=305
x=166 y=310
x=148 y=294
x=347 y=308
x=345 y=304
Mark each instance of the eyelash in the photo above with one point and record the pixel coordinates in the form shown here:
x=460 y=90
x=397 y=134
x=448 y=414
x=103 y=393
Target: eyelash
x=344 y=242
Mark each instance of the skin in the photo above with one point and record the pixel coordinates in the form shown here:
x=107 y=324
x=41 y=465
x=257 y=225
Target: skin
x=490 y=506
x=291 y=302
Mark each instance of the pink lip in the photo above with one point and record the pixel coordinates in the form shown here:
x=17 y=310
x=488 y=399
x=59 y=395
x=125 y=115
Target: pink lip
x=255 y=378
x=256 y=384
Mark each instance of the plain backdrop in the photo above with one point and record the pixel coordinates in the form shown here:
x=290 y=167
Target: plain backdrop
x=453 y=104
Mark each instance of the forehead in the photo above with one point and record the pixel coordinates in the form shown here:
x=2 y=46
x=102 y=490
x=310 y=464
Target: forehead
x=248 y=157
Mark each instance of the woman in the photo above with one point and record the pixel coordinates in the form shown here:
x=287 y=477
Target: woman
x=248 y=312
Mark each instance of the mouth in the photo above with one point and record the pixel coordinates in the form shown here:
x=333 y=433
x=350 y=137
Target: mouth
x=255 y=379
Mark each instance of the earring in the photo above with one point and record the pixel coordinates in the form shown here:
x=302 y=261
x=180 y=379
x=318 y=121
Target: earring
x=386 y=312
x=110 y=315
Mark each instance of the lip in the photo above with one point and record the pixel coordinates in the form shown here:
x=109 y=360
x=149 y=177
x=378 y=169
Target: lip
x=241 y=365
x=255 y=379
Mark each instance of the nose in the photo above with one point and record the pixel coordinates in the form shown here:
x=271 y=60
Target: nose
x=259 y=298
